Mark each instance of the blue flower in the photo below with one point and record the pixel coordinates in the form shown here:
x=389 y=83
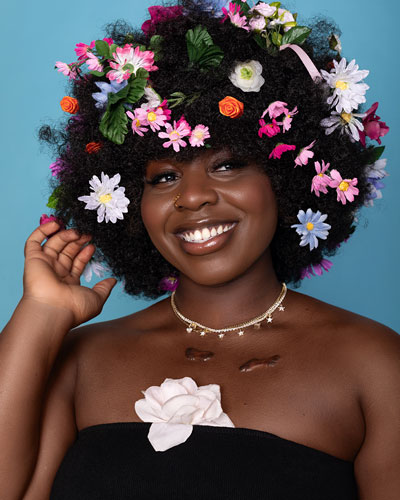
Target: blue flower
x=311 y=227
x=106 y=88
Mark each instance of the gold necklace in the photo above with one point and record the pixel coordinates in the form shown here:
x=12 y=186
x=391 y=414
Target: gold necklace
x=193 y=326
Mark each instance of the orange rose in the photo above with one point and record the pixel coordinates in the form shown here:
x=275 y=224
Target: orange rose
x=93 y=147
x=229 y=106
x=69 y=104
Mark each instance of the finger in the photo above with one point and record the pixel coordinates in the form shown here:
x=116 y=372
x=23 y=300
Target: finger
x=68 y=254
x=60 y=240
x=36 y=238
x=81 y=260
x=103 y=288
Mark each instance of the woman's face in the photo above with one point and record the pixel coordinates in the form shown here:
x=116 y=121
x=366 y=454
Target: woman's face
x=222 y=222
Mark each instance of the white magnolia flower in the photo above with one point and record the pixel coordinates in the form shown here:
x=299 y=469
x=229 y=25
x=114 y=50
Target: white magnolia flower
x=257 y=23
x=247 y=76
x=348 y=122
x=107 y=198
x=377 y=169
x=344 y=79
x=284 y=16
x=175 y=406
x=96 y=267
x=264 y=9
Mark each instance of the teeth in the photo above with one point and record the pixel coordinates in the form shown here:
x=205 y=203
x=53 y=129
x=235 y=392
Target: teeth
x=201 y=236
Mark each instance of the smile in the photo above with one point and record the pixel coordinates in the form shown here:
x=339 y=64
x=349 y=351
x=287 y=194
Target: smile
x=205 y=234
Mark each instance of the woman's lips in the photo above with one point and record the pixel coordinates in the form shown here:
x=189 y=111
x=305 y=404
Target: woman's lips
x=212 y=244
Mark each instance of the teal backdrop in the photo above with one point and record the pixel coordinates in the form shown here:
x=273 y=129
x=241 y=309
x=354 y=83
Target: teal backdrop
x=34 y=35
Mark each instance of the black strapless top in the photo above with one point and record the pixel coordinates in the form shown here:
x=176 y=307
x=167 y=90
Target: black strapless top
x=117 y=462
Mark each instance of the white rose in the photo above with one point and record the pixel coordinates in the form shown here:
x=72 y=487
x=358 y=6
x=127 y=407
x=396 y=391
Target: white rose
x=264 y=9
x=247 y=76
x=257 y=23
x=284 y=17
x=175 y=406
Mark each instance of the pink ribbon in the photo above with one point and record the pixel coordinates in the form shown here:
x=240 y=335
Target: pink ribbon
x=305 y=59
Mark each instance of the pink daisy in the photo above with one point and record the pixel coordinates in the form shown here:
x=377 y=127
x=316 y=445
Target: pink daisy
x=287 y=121
x=321 y=180
x=66 y=70
x=137 y=123
x=127 y=60
x=304 y=155
x=175 y=135
x=345 y=188
x=276 y=109
x=199 y=134
x=93 y=62
x=234 y=16
x=154 y=117
x=82 y=48
x=279 y=149
x=269 y=129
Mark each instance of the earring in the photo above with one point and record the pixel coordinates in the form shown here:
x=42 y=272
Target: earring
x=176 y=199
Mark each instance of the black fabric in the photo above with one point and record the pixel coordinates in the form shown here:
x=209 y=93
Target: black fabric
x=116 y=461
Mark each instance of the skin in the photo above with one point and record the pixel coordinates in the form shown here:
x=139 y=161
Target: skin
x=334 y=385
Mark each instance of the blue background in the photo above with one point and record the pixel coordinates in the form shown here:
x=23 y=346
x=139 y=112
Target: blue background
x=36 y=34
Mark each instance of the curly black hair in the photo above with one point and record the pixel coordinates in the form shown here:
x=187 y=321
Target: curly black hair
x=125 y=245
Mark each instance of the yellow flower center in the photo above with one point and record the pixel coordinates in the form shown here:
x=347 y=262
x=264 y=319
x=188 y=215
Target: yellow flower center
x=246 y=73
x=137 y=123
x=199 y=134
x=151 y=116
x=310 y=226
x=344 y=186
x=340 y=84
x=105 y=198
x=321 y=175
x=346 y=117
x=174 y=136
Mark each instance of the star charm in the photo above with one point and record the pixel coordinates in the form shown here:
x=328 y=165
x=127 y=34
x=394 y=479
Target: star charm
x=281 y=308
x=269 y=319
x=241 y=333
x=221 y=335
x=189 y=329
x=202 y=334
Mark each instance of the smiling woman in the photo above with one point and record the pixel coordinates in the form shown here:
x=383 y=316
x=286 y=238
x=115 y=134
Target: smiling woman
x=208 y=155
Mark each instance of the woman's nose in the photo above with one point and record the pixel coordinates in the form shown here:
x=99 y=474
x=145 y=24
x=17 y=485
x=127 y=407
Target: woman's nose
x=196 y=190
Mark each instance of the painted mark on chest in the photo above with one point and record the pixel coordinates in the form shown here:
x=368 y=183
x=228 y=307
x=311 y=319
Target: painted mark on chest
x=255 y=363
x=198 y=355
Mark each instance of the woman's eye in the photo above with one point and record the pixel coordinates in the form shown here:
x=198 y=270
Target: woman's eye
x=229 y=165
x=162 y=178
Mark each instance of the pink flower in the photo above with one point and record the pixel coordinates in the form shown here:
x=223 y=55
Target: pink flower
x=182 y=120
x=93 y=62
x=321 y=180
x=287 y=121
x=66 y=70
x=137 y=123
x=275 y=109
x=304 y=155
x=175 y=135
x=373 y=128
x=169 y=283
x=82 y=48
x=199 y=134
x=128 y=60
x=47 y=218
x=345 y=188
x=269 y=129
x=57 y=167
x=308 y=271
x=279 y=149
x=154 y=117
x=160 y=14
x=234 y=16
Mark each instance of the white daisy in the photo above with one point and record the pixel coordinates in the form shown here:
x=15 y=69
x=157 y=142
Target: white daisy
x=247 y=76
x=348 y=93
x=107 y=198
x=347 y=122
x=96 y=267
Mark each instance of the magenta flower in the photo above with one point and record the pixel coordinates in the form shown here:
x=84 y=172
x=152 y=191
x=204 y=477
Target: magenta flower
x=47 y=218
x=199 y=134
x=182 y=120
x=304 y=155
x=56 y=167
x=234 y=16
x=275 y=109
x=93 y=62
x=269 y=129
x=82 y=48
x=373 y=128
x=127 y=60
x=175 y=135
x=345 y=188
x=287 y=121
x=169 y=283
x=279 y=149
x=137 y=124
x=66 y=70
x=321 y=180
x=308 y=271
x=160 y=14
x=154 y=117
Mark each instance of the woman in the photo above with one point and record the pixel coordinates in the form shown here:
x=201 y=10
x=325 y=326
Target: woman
x=241 y=167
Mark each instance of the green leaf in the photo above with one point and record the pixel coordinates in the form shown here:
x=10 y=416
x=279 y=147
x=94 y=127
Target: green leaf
x=296 y=35
x=276 y=38
x=210 y=58
x=97 y=73
x=112 y=49
x=136 y=89
x=376 y=153
x=155 y=42
x=275 y=4
x=201 y=49
x=142 y=73
x=53 y=199
x=113 y=125
x=129 y=67
x=102 y=48
x=121 y=94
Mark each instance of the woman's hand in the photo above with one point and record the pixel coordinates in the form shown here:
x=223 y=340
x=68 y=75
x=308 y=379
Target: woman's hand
x=52 y=273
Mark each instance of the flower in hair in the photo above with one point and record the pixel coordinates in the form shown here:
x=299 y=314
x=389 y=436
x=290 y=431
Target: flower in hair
x=269 y=129
x=375 y=173
x=81 y=49
x=320 y=181
x=275 y=109
x=159 y=14
x=175 y=406
x=316 y=269
x=257 y=23
x=373 y=127
x=93 y=62
x=94 y=266
x=279 y=149
x=234 y=14
x=287 y=121
x=311 y=227
x=155 y=118
x=232 y=107
x=66 y=70
x=247 y=76
x=345 y=80
x=169 y=283
x=347 y=122
x=285 y=18
x=304 y=155
x=345 y=188
x=69 y=104
x=93 y=147
x=138 y=126
x=264 y=9
x=101 y=97
x=198 y=135
x=57 y=167
x=175 y=134
x=107 y=198
x=127 y=60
